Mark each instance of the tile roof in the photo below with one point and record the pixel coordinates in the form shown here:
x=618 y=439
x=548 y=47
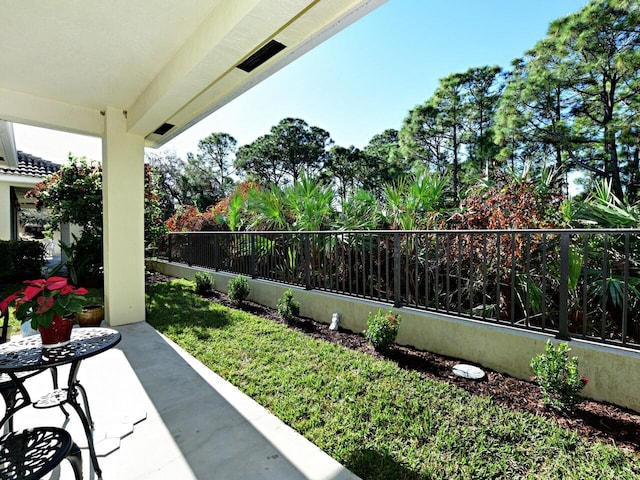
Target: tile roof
x=31 y=166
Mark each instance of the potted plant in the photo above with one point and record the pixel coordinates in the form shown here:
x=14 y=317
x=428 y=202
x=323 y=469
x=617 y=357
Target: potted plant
x=49 y=305
x=91 y=315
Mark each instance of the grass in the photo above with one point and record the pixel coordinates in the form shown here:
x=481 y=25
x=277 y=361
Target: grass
x=381 y=422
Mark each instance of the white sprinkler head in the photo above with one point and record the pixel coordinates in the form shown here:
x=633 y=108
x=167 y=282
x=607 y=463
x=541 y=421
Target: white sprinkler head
x=335 y=321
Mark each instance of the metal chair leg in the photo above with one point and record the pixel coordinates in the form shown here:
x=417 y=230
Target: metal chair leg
x=75 y=459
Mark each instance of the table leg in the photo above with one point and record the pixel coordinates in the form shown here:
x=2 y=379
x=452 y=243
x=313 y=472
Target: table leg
x=82 y=390
x=74 y=388
x=89 y=434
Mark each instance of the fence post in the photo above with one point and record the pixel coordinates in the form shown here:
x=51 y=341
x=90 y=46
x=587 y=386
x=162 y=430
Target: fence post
x=189 y=246
x=216 y=253
x=307 y=260
x=563 y=305
x=397 y=298
x=169 y=256
x=252 y=260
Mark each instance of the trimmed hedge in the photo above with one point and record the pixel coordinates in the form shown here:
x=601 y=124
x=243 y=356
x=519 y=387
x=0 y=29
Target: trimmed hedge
x=21 y=260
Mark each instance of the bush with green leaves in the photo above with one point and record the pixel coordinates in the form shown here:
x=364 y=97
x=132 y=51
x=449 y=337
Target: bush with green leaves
x=204 y=282
x=238 y=289
x=382 y=329
x=21 y=260
x=288 y=307
x=558 y=377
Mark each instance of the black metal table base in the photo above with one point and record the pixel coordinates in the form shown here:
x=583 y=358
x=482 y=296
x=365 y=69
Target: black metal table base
x=28 y=354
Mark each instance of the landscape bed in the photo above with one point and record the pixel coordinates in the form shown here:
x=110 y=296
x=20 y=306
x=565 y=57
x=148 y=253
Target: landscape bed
x=399 y=415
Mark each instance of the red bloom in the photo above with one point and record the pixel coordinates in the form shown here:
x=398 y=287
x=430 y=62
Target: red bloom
x=32 y=292
x=5 y=303
x=35 y=302
x=56 y=283
x=585 y=380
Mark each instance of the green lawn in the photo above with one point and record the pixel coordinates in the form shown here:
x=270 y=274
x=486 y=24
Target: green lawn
x=381 y=422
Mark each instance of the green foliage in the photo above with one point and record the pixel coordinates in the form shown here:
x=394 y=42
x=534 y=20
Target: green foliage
x=168 y=170
x=558 y=377
x=290 y=149
x=73 y=194
x=361 y=211
x=603 y=209
x=382 y=329
x=21 y=260
x=154 y=226
x=379 y=420
x=288 y=307
x=238 y=289
x=204 y=282
x=384 y=160
x=84 y=259
x=206 y=177
x=414 y=202
x=305 y=205
x=569 y=99
x=454 y=126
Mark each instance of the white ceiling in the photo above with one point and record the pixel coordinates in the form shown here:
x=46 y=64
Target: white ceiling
x=161 y=61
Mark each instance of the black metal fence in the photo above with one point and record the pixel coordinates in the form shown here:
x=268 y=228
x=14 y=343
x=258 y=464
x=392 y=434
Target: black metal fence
x=574 y=283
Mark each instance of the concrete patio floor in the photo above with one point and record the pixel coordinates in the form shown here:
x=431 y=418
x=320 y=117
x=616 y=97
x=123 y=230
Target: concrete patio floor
x=163 y=415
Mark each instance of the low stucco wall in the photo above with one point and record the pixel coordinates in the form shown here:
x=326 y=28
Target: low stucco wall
x=614 y=373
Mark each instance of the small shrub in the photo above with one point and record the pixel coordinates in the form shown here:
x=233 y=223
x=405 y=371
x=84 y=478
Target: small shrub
x=288 y=307
x=558 y=377
x=382 y=329
x=204 y=282
x=21 y=260
x=238 y=289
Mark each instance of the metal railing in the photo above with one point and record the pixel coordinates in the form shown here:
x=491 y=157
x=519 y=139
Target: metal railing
x=574 y=283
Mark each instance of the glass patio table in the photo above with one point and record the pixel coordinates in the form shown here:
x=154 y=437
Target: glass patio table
x=28 y=355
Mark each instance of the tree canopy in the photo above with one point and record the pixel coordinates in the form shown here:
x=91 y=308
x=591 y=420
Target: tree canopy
x=570 y=106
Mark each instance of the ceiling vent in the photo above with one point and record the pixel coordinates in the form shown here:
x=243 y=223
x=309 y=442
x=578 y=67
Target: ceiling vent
x=261 y=56
x=164 y=128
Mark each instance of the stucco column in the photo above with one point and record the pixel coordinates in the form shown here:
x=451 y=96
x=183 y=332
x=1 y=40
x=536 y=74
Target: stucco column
x=123 y=197
x=5 y=211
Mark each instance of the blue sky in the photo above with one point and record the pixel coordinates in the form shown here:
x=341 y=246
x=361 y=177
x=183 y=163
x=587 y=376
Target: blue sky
x=366 y=78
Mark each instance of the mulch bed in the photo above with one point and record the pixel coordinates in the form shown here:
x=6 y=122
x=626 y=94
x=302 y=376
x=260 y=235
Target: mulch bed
x=596 y=420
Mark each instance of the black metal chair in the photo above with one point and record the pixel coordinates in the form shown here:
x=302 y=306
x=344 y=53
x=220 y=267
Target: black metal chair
x=33 y=453
x=5 y=327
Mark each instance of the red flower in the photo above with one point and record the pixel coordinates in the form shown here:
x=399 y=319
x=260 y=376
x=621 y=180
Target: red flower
x=5 y=303
x=584 y=380
x=32 y=292
x=36 y=301
x=56 y=283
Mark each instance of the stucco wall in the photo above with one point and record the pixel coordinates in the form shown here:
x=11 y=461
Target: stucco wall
x=614 y=373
